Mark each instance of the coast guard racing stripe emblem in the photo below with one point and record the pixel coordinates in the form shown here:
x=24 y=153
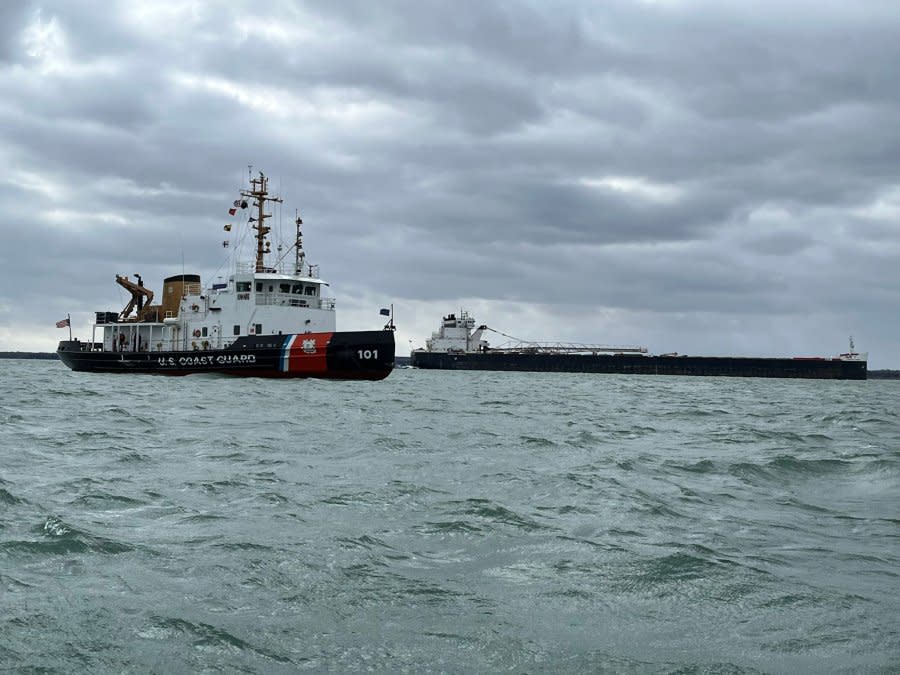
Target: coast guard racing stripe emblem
x=305 y=354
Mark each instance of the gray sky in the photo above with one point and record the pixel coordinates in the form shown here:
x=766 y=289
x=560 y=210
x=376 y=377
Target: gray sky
x=705 y=177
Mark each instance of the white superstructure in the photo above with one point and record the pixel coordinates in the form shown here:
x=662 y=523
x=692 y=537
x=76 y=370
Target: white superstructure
x=854 y=355
x=258 y=299
x=456 y=335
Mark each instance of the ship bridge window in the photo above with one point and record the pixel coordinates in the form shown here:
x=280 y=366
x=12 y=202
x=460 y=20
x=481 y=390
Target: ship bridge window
x=310 y=290
x=242 y=286
x=297 y=289
x=258 y=287
x=284 y=288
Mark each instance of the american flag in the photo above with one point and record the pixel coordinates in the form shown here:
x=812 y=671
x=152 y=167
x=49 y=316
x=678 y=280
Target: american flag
x=63 y=323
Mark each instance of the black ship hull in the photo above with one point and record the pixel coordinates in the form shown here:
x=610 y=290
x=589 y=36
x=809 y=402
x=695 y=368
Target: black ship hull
x=362 y=355
x=631 y=364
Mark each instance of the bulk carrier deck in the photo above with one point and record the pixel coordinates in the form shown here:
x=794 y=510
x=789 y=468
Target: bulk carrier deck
x=456 y=346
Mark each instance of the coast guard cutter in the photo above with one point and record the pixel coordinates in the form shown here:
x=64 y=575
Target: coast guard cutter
x=269 y=319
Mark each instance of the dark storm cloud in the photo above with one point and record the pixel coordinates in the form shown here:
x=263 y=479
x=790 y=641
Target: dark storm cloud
x=582 y=159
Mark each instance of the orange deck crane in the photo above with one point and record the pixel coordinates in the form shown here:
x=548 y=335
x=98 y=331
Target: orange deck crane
x=139 y=295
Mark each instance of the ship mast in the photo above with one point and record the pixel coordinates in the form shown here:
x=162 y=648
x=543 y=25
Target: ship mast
x=259 y=191
x=299 y=255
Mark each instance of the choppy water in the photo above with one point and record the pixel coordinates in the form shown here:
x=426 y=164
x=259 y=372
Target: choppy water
x=461 y=522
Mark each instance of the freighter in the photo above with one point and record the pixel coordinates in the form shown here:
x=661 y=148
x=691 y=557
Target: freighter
x=458 y=345
x=270 y=318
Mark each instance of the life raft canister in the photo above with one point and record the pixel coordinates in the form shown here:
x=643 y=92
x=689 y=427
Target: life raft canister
x=196 y=332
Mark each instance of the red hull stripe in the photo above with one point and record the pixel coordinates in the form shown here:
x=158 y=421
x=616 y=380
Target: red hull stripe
x=305 y=353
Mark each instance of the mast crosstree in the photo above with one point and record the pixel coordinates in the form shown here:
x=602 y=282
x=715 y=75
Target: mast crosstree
x=260 y=193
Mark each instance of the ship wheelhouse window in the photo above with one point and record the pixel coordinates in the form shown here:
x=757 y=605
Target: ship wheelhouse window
x=297 y=289
x=237 y=329
x=310 y=290
x=258 y=287
x=284 y=288
x=242 y=286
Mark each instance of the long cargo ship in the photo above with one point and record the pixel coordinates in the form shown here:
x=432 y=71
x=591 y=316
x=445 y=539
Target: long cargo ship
x=269 y=318
x=458 y=345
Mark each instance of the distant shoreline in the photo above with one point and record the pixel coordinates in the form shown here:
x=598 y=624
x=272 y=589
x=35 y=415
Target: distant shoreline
x=27 y=355
x=881 y=374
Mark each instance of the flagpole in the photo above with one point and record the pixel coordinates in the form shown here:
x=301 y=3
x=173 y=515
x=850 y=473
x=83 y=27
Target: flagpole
x=69 y=321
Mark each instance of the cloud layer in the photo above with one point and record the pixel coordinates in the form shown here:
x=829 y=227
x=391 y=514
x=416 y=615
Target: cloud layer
x=700 y=177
